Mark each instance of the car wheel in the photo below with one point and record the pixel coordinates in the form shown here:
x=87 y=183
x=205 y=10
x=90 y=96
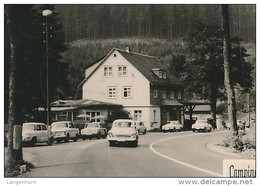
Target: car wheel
x=58 y=141
x=67 y=138
x=76 y=138
x=104 y=136
x=144 y=132
x=90 y=138
x=164 y=131
x=50 y=141
x=33 y=141
x=209 y=129
x=174 y=129
x=111 y=143
x=193 y=130
x=99 y=136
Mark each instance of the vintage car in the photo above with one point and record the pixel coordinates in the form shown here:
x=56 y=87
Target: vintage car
x=172 y=126
x=201 y=125
x=140 y=127
x=241 y=125
x=123 y=131
x=34 y=132
x=93 y=130
x=64 y=131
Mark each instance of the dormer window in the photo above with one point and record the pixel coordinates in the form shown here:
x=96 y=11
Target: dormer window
x=160 y=73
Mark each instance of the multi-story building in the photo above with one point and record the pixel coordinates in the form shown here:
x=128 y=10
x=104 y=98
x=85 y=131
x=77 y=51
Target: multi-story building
x=140 y=83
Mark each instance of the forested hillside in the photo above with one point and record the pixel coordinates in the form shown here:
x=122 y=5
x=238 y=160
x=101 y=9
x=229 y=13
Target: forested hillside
x=159 y=21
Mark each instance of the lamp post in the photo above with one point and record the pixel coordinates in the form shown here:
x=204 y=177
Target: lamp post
x=47 y=13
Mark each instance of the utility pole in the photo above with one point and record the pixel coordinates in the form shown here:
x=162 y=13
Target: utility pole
x=47 y=13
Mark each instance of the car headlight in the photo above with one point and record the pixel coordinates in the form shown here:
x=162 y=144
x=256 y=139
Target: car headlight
x=110 y=134
x=133 y=135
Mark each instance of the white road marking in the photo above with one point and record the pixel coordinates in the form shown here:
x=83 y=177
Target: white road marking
x=181 y=162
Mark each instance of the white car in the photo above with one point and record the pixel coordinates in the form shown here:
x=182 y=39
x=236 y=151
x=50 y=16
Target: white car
x=123 y=131
x=92 y=130
x=172 y=126
x=201 y=125
x=34 y=132
x=64 y=130
x=140 y=127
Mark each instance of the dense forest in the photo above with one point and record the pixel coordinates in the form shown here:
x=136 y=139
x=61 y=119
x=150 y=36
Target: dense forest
x=150 y=20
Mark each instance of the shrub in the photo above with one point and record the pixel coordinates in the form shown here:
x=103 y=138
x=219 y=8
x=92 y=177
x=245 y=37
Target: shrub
x=242 y=142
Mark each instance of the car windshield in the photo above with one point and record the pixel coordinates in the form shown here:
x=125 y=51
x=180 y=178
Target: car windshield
x=92 y=125
x=175 y=122
x=29 y=127
x=202 y=121
x=59 y=124
x=123 y=124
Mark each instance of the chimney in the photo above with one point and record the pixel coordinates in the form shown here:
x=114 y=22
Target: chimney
x=127 y=49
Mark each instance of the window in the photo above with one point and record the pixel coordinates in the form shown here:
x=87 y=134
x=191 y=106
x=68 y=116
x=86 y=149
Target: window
x=62 y=116
x=162 y=74
x=138 y=115
x=114 y=55
x=94 y=114
x=112 y=92
x=108 y=71
x=44 y=127
x=163 y=94
x=127 y=92
x=122 y=70
x=179 y=95
x=172 y=95
x=155 y=94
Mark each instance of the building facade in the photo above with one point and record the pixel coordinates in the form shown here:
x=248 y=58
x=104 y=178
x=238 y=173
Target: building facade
x=140 y=83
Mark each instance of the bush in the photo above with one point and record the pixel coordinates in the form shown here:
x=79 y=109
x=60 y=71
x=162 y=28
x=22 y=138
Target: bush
x=242 y=142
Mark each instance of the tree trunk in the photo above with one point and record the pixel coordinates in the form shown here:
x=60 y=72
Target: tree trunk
x=213 y=104
x=14 y=152
x=228 y=84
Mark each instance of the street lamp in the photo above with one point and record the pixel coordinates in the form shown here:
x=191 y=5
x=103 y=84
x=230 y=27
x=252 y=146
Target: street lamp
x=47 y=13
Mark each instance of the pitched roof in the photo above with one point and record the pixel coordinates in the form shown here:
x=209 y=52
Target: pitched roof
x=144 y=64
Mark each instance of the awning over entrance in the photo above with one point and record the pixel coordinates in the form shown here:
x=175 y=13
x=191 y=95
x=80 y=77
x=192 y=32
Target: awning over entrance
x=62 y=108
x=169 y=102
x=81 y=103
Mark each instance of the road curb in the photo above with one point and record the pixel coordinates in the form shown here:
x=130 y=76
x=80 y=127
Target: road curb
x=215 y=146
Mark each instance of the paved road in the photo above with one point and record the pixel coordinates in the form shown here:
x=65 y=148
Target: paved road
x=179 y=154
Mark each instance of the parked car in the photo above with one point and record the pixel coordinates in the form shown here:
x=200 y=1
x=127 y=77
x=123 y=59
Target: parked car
x=201 y=125
x=240 y=125
x=140 y=127
x=94 y=130
x=172 y=126
x=34 y=132
x=123 y=131
x=64 y=131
